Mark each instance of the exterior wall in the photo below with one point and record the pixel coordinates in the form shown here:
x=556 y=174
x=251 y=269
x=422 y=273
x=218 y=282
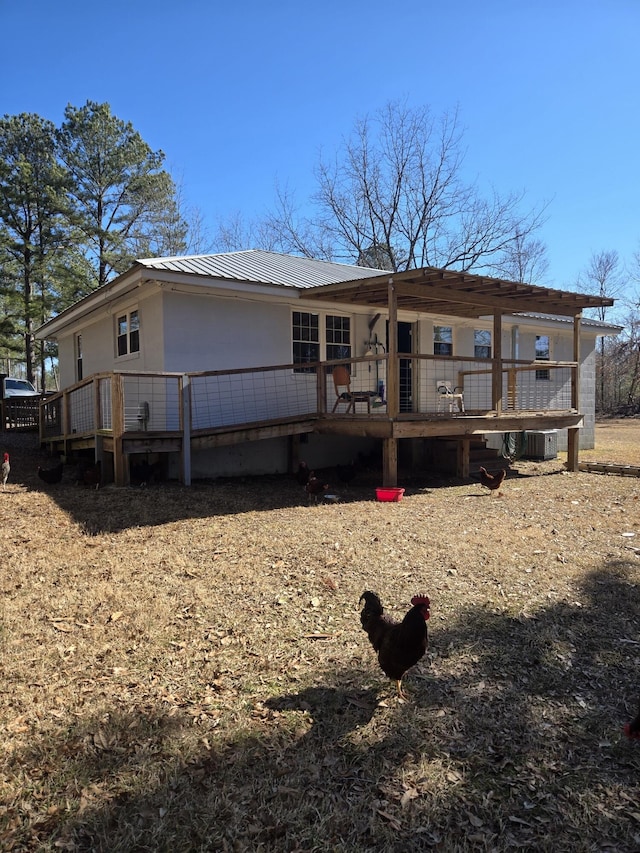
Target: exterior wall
x=561 y=346
x=66 y=361
x=209 y=333
x=226 y=332
x=99 y=343
x=271 y=456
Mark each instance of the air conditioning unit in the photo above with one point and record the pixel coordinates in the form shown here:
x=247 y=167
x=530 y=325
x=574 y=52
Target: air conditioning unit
x=542 y=444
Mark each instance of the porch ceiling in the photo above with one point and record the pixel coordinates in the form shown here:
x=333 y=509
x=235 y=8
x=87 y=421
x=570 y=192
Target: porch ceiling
x=459 y=294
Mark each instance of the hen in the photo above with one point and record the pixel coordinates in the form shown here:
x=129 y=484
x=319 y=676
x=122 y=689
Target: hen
x=399 y=645
x=315 y=487
x=632 y=729
x=492 y=481
x=89 y=474
x=6 y=470
x=302 y=474
x=51 y=475
x=346 y=473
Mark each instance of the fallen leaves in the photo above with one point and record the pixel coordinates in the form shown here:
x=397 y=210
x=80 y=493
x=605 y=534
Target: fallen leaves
x=216 y=666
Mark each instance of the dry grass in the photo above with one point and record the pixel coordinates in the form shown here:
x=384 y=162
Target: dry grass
x=616 y=441
x=180 y=665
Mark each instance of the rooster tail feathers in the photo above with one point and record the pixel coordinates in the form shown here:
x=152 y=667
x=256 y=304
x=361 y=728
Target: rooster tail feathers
x=372 y=610
x=372 y=603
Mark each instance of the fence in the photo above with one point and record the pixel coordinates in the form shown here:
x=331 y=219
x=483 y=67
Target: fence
x=126 y=403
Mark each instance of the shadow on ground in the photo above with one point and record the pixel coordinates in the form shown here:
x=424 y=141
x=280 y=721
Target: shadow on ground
x=512 y=740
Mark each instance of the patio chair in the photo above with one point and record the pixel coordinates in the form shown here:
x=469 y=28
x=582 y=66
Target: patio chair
x=448 y=395
x=344 y=394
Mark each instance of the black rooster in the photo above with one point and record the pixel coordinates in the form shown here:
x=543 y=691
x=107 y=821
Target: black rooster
x=347 y=473
x=399 y=645
x=51 y=475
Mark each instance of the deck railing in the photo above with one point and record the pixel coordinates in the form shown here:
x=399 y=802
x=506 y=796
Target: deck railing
x=123 y=403
x=117 y=403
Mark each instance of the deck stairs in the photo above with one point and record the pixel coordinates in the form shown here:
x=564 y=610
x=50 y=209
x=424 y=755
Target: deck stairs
x=445 y=456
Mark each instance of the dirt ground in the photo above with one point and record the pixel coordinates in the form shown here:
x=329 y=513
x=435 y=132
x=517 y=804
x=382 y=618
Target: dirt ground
x=179 y=664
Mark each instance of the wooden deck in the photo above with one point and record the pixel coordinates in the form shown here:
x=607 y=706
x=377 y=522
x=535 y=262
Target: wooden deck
x=117 y=415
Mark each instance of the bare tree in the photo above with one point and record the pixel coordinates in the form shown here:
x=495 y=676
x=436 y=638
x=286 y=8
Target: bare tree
x=233 y=234
x=604 y=276
x=523 y=260
x=397 y=182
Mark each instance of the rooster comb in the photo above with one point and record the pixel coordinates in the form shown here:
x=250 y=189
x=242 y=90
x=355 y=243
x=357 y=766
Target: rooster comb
x=421 y=598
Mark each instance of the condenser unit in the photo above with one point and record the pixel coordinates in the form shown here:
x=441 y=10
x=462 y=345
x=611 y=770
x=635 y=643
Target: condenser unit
x=542 y=444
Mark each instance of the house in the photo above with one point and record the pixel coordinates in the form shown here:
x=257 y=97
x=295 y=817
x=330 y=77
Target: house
x=222 y=364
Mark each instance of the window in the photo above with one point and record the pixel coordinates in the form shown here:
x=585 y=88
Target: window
x=78 y=358
x=542 y=354
x=338 y=343
x=306 y=340
x=311 y=339
x=442 y=340
x=128 y=333
x=482 y=343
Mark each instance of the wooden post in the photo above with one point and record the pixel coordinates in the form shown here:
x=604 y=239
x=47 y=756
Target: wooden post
x=293 y=452
x=120 y=472
x=390 y=445
x=496 y=378
x=390 y=463
x=573 y=434
x=393 y=369
x=575 y=371
x=463 y=454
x=184 y=391
x=65 y=413
x=573 y=445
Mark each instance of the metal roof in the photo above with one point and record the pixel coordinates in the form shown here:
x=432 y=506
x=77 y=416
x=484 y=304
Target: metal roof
x=613 y=328
x=260 y=267
x=428 y=290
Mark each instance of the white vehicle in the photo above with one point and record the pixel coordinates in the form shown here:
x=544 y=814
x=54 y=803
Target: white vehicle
x=19 y=388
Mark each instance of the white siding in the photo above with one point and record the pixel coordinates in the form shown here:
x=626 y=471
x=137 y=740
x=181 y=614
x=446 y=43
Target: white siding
x=208 y=333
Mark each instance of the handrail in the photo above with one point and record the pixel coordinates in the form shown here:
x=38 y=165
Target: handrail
x=219 y=399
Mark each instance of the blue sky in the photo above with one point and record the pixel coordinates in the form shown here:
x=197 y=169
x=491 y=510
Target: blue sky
x=241 y=95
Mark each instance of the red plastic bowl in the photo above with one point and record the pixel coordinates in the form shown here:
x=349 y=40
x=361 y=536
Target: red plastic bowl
x=389 y=494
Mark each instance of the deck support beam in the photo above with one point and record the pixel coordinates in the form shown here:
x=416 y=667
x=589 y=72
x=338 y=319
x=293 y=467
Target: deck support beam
x=573 y=446
x=390 y=463
x=496 y=375
x=573 y=434
x=393 y=372
x=186 y=430
x=390 y=445
x=120 y=470
x=463 y=457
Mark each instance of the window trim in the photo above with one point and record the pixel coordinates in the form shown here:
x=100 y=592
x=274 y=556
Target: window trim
x=442 y=343
x=79 y=366
x=301 y=341
x=477 y=346
x=126 y=332
x=543 y=373
x=322 y=343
